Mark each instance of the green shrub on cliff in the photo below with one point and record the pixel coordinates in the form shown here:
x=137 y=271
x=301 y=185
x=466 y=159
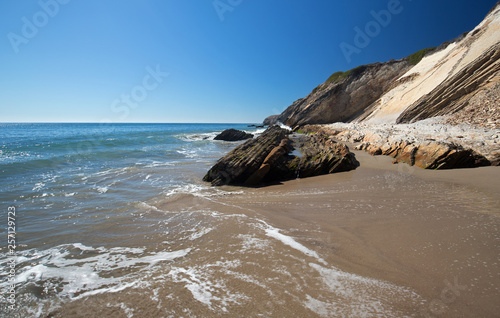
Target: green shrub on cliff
x=416 y=57
x=335 y=77
x=338 y=76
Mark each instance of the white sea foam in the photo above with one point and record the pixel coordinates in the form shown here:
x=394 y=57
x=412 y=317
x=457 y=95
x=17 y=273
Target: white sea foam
x=284 y=126
x=290 y=241
x=251 y=242
x=204 y=288
x=189 y=153
x=256 y=132
x=146 y=206
x=77 y=270
x=155 y=164
x=199 y=136
x=102 y=189
x=200 y=233
x=188 y=189
x=356 y=296
x=201 y=289
x=38 y=186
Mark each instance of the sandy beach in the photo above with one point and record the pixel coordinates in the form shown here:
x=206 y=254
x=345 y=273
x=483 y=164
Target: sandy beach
x=435 y=232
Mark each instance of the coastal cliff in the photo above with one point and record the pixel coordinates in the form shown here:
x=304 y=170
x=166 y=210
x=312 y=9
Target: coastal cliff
x=343 y=96
x=433 y=82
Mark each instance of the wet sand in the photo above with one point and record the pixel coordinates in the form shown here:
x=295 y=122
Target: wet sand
x=436 y=232
x=381 y=241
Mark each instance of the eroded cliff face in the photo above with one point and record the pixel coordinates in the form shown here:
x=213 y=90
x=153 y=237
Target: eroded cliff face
x=457 y=79
x=344 y=96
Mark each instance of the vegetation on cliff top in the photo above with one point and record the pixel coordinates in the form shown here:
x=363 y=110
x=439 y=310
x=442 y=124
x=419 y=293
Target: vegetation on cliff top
x=416 y=57
x=338 y=76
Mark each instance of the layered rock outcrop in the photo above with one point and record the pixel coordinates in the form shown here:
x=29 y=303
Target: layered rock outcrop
x=267 y=159
x=428 y=155
x=455 y=93
x=414 y=144
x=343 y=96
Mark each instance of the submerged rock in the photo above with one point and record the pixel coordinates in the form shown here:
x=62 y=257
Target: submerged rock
x=267 y=159
x=233 y=135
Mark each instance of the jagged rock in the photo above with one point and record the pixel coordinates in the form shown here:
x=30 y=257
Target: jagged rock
x=266 y=159
x=424 y=153
x=233 y=135
x=280 y=151
x=495 y=158
x=239 y=164
x=434 y=155
x=321 y=155
x=429 y=155
x=271 y=120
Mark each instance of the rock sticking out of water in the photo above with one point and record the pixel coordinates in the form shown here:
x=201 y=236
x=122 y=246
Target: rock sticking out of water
x=233 y=135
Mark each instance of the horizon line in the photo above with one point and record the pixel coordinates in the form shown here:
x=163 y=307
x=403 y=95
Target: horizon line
x=107 y=123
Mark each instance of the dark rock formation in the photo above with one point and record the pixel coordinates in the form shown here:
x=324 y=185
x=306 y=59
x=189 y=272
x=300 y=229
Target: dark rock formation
x=266 y=159
x=321 y=155
x=239 y=164
x=233 y=135
x=277 y=154
x=271 y=120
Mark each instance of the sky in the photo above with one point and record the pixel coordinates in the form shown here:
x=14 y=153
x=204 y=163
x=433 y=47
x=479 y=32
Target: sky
x=200 y=61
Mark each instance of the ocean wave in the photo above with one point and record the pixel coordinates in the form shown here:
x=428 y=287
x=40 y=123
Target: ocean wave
x=102 y=189
x=189 y=153
x=198 y=136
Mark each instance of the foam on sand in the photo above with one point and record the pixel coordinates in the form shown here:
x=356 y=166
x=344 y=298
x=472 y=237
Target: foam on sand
x=75 y=270
x=290 y=241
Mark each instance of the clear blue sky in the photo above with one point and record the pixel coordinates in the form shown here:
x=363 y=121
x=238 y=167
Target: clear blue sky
x=92 y=60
